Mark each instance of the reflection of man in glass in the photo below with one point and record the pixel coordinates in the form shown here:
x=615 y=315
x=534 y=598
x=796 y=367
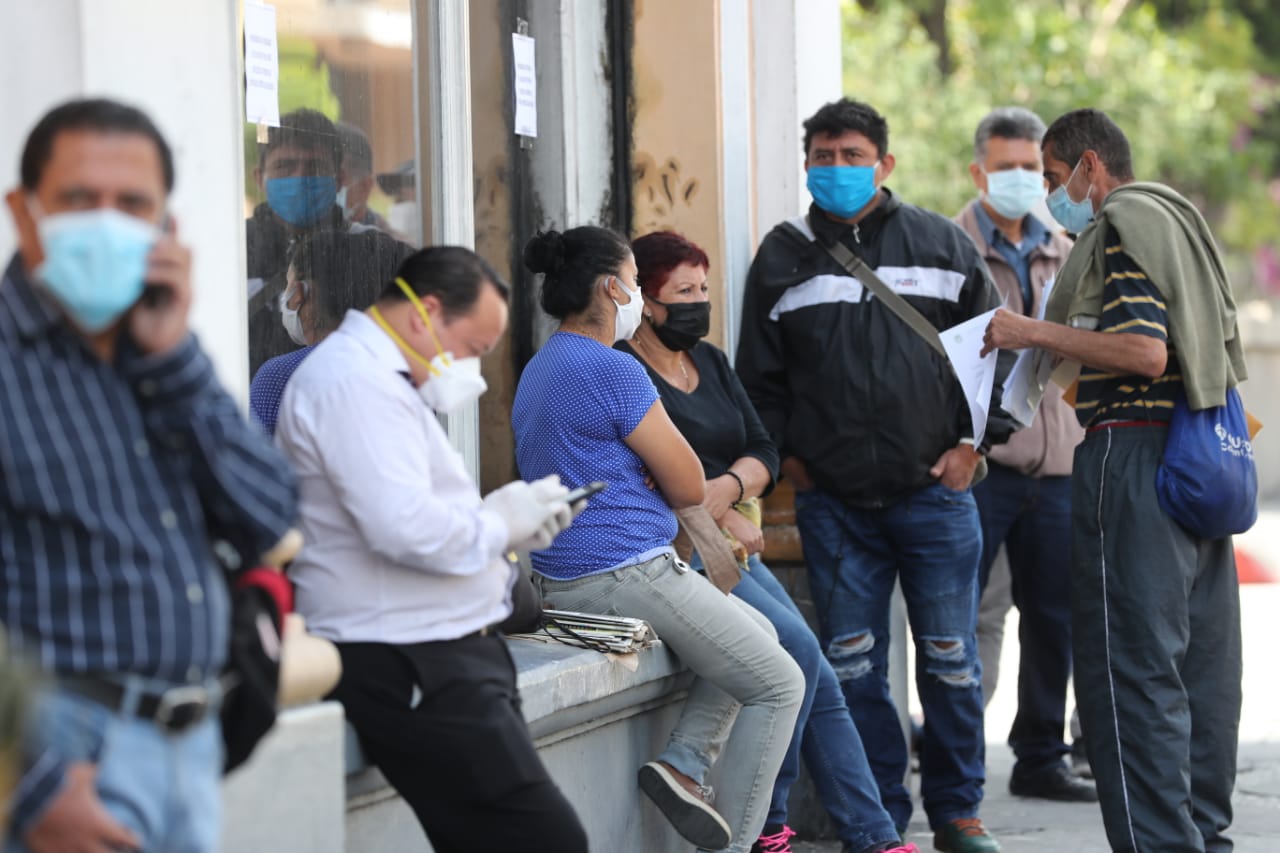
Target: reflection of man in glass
x=405 y=216
x=357 y=164
x=331 y=273
x=299 y=171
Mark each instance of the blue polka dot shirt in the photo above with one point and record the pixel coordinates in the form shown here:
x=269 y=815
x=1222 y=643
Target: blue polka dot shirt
x=576 y=403
x=268 y=383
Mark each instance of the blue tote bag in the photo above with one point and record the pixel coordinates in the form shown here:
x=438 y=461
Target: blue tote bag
x=1207 y=480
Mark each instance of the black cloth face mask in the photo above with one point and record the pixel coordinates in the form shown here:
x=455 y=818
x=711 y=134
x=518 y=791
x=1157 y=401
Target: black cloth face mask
x=687 y=323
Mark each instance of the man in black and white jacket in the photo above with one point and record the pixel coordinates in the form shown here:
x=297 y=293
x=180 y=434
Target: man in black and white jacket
x=876 y=436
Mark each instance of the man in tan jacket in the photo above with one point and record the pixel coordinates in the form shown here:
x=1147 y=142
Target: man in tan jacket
x=1025 y=502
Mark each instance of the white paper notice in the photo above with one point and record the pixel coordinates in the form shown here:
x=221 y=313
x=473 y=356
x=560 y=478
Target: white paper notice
x=526 y=85
x=261 y=65
x=977 y=374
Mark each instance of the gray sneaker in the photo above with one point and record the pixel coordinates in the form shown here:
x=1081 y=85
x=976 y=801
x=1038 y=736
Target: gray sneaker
x=690 y=813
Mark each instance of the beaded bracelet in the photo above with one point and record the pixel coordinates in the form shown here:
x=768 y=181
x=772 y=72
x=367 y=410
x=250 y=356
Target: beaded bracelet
x=742 y=490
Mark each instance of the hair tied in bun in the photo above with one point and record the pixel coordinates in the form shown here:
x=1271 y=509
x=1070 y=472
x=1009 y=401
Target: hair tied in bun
x=545 y=252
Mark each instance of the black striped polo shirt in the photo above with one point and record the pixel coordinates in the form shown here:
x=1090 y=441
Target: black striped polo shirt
x=1131 y=304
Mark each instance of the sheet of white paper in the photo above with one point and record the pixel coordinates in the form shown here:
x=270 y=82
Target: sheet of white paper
x=1044 y=298
x=261 y=65
x=526 y=85
x=977 y=374
x=1024 y=387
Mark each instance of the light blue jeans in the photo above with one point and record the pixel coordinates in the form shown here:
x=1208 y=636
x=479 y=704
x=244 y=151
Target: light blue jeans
x=825 y=731
x=164 y=787
x=737 y=661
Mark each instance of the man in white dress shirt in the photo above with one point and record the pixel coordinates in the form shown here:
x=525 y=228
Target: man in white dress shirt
x=405 y=565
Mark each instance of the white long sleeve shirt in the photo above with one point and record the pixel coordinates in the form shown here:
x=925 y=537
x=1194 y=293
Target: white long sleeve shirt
x=399 y=547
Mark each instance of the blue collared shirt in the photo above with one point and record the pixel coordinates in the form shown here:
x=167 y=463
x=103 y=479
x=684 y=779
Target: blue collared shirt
x=1018 y=257
x=115 y=481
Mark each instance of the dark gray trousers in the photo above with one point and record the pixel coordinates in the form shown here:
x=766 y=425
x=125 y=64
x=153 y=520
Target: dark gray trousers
x=1156 y=642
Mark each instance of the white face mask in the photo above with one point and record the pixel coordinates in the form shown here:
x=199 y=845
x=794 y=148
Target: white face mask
x=404 y=219
x=628 y=317
x=457 y=383
x=293 y=325
x=453 y=382
x=291 y=321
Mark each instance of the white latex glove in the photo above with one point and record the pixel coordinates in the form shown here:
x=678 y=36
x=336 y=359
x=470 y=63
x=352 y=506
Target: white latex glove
x=562 y=515
x=533 y=512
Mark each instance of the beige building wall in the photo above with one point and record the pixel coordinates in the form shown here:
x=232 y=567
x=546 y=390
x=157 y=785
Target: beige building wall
x=677 y=155
x=490 y=147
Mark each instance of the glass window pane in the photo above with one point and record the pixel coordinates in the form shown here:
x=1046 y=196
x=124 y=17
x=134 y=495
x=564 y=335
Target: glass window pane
x=331 y=195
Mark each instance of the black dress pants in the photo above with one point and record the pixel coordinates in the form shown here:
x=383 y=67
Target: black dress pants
x=457 y=749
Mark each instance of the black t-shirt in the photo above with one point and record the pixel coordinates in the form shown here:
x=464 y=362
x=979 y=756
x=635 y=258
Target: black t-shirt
x=717 y=418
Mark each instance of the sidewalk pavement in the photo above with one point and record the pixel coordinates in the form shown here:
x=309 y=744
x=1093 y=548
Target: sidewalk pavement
x=1048 y=827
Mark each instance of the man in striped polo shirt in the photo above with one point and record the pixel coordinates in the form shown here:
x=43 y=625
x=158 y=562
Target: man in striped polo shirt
x=1142 y=303
x=122 y=460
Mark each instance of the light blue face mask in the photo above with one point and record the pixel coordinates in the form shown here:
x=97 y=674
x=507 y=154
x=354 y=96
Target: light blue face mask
x=302 y=201
x=1013 y=192
x=94 y=263
x=1073 y=215
x=842 y=190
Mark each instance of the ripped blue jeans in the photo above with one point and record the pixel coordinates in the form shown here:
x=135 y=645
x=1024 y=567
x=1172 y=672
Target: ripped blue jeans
x=931 y=541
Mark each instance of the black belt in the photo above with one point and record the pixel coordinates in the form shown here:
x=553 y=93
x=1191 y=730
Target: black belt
x=173 y=710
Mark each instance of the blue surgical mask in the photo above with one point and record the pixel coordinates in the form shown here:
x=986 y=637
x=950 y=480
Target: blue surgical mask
x=302 y=201
x=94 y=263
x=1013 y=192
x=1073 y=215
x=842 y=190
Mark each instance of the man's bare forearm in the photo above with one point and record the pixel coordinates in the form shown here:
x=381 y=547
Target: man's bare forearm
x=1120 y=353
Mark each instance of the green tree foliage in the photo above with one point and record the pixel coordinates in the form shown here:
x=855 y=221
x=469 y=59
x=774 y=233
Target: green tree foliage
x=1190 y=96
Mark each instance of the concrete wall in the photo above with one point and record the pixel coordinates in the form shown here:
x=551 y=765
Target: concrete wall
x=290 y=795
x=1260 y=330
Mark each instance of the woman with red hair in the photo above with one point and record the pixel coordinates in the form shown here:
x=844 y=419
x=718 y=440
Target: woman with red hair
x=708 y=405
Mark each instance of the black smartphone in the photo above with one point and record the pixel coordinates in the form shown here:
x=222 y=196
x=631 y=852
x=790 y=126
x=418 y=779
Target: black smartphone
x=155 y=296
x=581 y=494
x=158 y=295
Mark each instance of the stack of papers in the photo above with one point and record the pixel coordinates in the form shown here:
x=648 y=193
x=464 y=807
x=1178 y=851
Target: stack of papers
x=608 y=634
x=1025 y=384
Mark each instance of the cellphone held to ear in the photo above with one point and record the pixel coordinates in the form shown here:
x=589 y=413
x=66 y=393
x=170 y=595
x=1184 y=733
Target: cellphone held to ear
x=155 y=296
x=581 y=494
x=158 y=295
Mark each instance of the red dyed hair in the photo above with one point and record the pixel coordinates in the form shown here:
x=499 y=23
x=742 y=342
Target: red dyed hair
x=659 y=253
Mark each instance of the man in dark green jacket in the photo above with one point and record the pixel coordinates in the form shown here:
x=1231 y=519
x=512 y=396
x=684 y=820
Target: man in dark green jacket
x=1143 y=304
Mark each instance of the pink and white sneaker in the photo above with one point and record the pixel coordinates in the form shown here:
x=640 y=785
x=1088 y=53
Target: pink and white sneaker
x=779 y=843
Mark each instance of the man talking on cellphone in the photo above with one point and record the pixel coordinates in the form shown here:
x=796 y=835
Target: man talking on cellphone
x=121 y=461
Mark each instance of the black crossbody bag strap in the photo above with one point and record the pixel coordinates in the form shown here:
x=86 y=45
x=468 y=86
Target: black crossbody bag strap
x=858 y=268
x=901 y=308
